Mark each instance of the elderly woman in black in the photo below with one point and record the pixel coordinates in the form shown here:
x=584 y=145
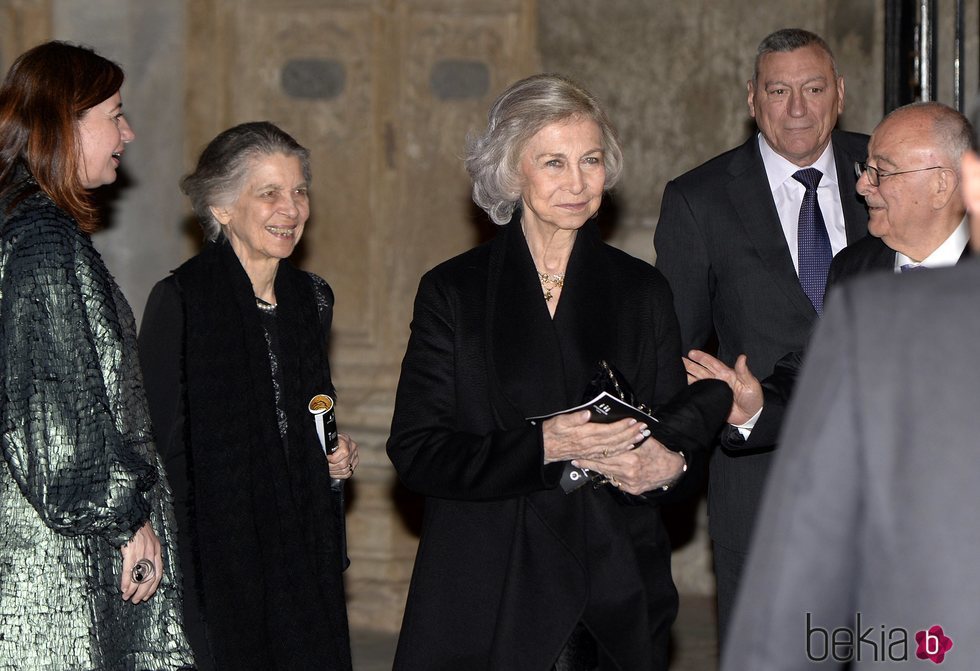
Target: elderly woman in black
x=512 y=572
x=233 y=346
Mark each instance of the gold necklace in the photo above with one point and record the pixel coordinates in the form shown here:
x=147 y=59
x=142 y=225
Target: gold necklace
x=550 y=282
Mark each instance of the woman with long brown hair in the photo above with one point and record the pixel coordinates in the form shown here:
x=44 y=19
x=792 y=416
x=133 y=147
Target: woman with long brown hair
x=87 y=577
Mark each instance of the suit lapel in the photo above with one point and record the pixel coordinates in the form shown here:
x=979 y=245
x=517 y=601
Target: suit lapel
x=753 y=203
x=751 y=198
x=855 y=211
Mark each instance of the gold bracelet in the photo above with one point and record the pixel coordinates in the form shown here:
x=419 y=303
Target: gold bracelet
x=678 y=478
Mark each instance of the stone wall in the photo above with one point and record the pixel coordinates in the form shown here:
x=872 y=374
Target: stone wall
x=384 y=92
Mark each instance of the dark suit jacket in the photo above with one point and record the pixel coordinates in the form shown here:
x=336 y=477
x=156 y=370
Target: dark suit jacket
x=864 y=256
x=721 y=246
x=872 y=504
x=869 y=254
x=508 y=563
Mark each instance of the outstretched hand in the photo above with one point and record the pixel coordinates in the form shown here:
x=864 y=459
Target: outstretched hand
x=746 y=388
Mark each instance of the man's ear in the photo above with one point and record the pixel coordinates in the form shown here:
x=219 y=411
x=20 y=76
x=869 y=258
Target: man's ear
x=945 y=188
x=750 y=90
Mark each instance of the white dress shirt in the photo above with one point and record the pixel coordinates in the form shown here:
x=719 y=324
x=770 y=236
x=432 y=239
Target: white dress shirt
x=787 y=194
x=946 y=254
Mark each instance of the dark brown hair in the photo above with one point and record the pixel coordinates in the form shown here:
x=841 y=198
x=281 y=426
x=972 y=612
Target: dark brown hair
x=45 y=93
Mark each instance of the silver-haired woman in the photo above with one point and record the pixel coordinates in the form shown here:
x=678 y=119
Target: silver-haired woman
x=233 y=347
x=512 y=572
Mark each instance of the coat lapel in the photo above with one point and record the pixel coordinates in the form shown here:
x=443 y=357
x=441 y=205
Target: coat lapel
x=583 y=320
x=526 y=343
x=522 y=341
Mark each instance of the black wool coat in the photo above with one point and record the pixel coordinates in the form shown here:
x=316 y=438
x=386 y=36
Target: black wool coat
x=508 y=563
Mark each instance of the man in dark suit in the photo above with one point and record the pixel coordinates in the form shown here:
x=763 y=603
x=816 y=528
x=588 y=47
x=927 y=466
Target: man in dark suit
x=917 y=220
x=729 y=241
x=868 y=538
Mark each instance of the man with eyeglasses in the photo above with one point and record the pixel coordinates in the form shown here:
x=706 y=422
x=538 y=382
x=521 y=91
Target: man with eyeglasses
x=745 y=241
x=868 y=534
x=911 y=183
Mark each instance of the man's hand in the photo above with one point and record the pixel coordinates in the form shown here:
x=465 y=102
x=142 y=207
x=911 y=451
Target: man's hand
x=745 y=386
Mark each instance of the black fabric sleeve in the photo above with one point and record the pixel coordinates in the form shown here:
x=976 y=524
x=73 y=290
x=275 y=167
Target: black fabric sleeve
x=682 y=257
x=161 y=347
x=434 y=454
x=776 y=391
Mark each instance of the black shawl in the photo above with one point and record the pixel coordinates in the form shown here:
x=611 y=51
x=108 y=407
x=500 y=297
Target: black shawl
x=266 y=524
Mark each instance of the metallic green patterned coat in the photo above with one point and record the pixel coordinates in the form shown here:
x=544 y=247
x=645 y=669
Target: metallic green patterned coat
x=80 y=472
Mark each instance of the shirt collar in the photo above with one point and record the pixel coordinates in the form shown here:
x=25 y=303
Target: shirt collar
x=946 y=254
x=780 y=169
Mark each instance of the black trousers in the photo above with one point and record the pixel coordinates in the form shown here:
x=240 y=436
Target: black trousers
x=728 y=572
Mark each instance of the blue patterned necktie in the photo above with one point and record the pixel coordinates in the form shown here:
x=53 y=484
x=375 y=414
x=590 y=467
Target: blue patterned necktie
x=813 y=243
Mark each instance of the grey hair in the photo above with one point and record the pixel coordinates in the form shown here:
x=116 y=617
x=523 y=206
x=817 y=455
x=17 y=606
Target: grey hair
x=952 y=131
x=225 y=163
x=493 y=158
x=791 y=39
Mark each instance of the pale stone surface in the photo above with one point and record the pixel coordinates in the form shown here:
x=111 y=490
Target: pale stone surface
x=390 y=197
x=144 y=238
x=23 y=23
x=673 y=79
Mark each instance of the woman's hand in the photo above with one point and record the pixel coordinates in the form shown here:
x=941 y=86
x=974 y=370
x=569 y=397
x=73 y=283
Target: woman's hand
x=143 y=545
x=344 y=459
x=650 y=466
x=573 y=436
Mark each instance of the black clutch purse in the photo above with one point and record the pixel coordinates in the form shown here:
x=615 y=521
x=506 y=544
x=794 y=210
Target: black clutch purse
x=689 y=422
x=608 y=379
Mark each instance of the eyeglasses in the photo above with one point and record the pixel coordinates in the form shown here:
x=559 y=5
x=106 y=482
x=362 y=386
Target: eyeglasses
x=875 y=176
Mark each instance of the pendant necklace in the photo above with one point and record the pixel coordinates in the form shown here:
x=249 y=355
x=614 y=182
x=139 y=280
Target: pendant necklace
x=550 y=282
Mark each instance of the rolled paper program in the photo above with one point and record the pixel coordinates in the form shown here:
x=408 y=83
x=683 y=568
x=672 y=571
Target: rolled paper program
x=321 y=407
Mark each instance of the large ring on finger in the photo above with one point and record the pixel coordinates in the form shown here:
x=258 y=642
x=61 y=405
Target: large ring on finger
x=143 y=571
